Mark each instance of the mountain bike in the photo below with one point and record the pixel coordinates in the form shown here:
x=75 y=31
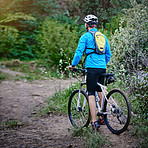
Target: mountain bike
x=115 y=109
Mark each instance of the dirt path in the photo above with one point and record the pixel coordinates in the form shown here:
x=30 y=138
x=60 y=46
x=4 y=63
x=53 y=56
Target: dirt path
x=20 y=100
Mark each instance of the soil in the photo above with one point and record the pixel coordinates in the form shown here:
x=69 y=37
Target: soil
x=21 y=100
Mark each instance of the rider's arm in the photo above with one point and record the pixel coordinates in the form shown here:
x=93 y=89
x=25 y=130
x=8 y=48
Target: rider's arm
x=79 y=51
x=108 y=52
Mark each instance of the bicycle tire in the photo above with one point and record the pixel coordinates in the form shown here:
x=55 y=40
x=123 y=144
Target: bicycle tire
x=79 y=117
x=119 y=111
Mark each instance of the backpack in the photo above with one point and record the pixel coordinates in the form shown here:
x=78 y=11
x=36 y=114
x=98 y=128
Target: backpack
x=100 y=43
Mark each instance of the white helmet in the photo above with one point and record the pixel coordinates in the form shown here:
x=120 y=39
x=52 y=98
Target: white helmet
x=91 y=19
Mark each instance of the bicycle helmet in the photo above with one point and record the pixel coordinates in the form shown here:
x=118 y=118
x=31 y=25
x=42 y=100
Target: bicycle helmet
x=91 y=19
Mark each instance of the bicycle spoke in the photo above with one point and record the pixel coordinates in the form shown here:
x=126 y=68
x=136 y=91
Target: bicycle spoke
x=79 y=109
x=118 y=109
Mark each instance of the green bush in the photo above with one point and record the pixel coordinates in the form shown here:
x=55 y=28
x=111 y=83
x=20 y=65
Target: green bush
x=114 y=23
x=72 y=22
x=24 y=47
x=10 y=39
x=57 y=44
x=142 y=96
x=129 y=44
x=7 y=40
x=129 y=54
x=17 y=26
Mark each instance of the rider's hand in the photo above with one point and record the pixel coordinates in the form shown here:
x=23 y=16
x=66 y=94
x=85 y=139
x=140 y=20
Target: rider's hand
x=71 y=68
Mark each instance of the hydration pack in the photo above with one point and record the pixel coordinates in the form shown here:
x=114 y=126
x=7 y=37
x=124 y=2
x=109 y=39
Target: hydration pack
x=100 y=43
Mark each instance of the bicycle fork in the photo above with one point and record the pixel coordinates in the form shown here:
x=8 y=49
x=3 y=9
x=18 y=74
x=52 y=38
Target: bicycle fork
x=78 y=107
x=78 y=101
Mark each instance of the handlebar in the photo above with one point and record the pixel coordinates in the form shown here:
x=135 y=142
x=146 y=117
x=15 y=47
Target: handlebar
x=79 y=69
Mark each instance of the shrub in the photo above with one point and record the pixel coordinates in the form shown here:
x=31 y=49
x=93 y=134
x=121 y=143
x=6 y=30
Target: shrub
x=10 y=34
x=70 y=21
x=24 y=47
x=8 y=39
x=141 y=91
x=114 y=23
x=56 y=44
x=129 y=50
x=129 y=44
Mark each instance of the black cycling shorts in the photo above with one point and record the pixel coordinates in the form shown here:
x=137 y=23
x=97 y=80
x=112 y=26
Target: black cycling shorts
x=94 y=75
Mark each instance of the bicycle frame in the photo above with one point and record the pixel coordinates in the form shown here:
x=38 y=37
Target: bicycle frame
x=104 y=93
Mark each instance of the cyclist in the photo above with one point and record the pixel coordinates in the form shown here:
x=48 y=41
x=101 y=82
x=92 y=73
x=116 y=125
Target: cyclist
x=95 y=65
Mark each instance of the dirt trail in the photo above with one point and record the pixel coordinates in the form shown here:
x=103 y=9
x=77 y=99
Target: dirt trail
x=20 y=100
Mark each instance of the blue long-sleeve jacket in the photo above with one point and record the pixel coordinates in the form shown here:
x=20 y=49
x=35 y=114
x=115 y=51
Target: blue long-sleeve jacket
x=93 y=60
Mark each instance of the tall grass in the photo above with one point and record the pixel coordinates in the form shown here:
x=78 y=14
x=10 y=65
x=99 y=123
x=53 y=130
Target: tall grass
x=91 y=139
x=59 y=101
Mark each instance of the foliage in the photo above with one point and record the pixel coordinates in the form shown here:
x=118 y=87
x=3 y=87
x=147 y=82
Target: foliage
x=119 y=5
x=95 y=140
x=9 y=34
x=140 y=129
x=129 y=50
x=13 y=17
x=24 y=47
x=56 y=44
x=129 y=44
x=72 y=22
x=37 y=8
x=45 y=7
x=104 y=10
x=142 y=96
x=17 y=26
x=59 y=101
x=9 y=124
x=115 y=23
x=2 y=76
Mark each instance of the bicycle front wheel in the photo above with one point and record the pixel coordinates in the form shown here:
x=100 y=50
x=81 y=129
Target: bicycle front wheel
x=78 y=109
x=118 y=111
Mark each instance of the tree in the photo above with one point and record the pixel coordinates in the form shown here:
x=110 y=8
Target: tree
x=103 y=9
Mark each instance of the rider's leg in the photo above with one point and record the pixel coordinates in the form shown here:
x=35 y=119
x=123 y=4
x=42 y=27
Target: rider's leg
x=91 y=81
x=99 y=90
x=101 y=97
x=92 y=106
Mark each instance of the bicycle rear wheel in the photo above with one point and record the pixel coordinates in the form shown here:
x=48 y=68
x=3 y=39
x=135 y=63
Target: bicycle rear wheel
x=78 y=109
x=118 y=111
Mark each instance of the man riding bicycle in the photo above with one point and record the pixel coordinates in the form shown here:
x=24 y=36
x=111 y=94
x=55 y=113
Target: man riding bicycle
x=95 y=64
